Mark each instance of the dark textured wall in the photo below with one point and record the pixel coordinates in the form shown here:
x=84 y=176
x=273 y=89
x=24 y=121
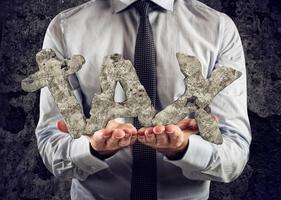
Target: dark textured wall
x=22 y=27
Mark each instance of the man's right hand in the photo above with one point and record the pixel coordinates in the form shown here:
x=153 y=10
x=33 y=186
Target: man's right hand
x=111 y=139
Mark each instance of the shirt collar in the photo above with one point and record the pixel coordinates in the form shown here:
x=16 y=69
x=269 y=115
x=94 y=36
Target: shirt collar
x=119 y=5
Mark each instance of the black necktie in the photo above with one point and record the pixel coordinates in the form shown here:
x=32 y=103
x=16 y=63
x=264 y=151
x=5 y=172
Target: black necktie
x=144 y=174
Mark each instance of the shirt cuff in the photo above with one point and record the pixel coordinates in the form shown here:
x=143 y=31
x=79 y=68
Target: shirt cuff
x=197 y=156
x=81 y=156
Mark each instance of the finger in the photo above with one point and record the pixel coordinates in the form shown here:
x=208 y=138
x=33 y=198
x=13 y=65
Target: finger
x=148 y=130
x=107 y=133
x=172 y=128
x=126 y=140
x=216 y=118
x=159 y=129
x=183 y=124
x=150 y=137
x=128 y=125
x=118 y=134
x=141 y=134
x=62 y=126
x=99 y=139
x=174 y=134
x=162 y=140
x=111 y=124
x=193 y=125
x=188 y=124
x=130 y=131
x=112 y=142
x=132 y=135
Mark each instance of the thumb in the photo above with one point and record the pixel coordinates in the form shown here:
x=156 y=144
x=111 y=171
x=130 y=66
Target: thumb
x=216 y=118
x=62 y=126
x=112 y=124
x=190 y=124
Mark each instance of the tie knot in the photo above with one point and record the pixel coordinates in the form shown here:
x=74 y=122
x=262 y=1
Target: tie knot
x=142 y=7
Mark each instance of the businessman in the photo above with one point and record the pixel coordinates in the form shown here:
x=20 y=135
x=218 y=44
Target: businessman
x=126 y=161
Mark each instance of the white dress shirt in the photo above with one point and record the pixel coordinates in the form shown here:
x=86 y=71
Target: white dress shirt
x=102 y=27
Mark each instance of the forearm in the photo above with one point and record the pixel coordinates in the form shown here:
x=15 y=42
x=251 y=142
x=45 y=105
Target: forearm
x=206 y=161
x=66 y=157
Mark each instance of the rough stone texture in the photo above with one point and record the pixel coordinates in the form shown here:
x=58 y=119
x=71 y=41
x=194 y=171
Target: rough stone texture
x=137 y=103
x=22 y=26
x=198 y=94
x=54 y=74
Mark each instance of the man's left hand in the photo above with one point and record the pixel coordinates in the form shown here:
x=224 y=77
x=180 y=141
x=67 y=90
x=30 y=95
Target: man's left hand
x=171 y=140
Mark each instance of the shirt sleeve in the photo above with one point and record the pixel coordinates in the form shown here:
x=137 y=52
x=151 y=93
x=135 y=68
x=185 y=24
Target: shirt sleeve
x=207 y=161
x=62 y=155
